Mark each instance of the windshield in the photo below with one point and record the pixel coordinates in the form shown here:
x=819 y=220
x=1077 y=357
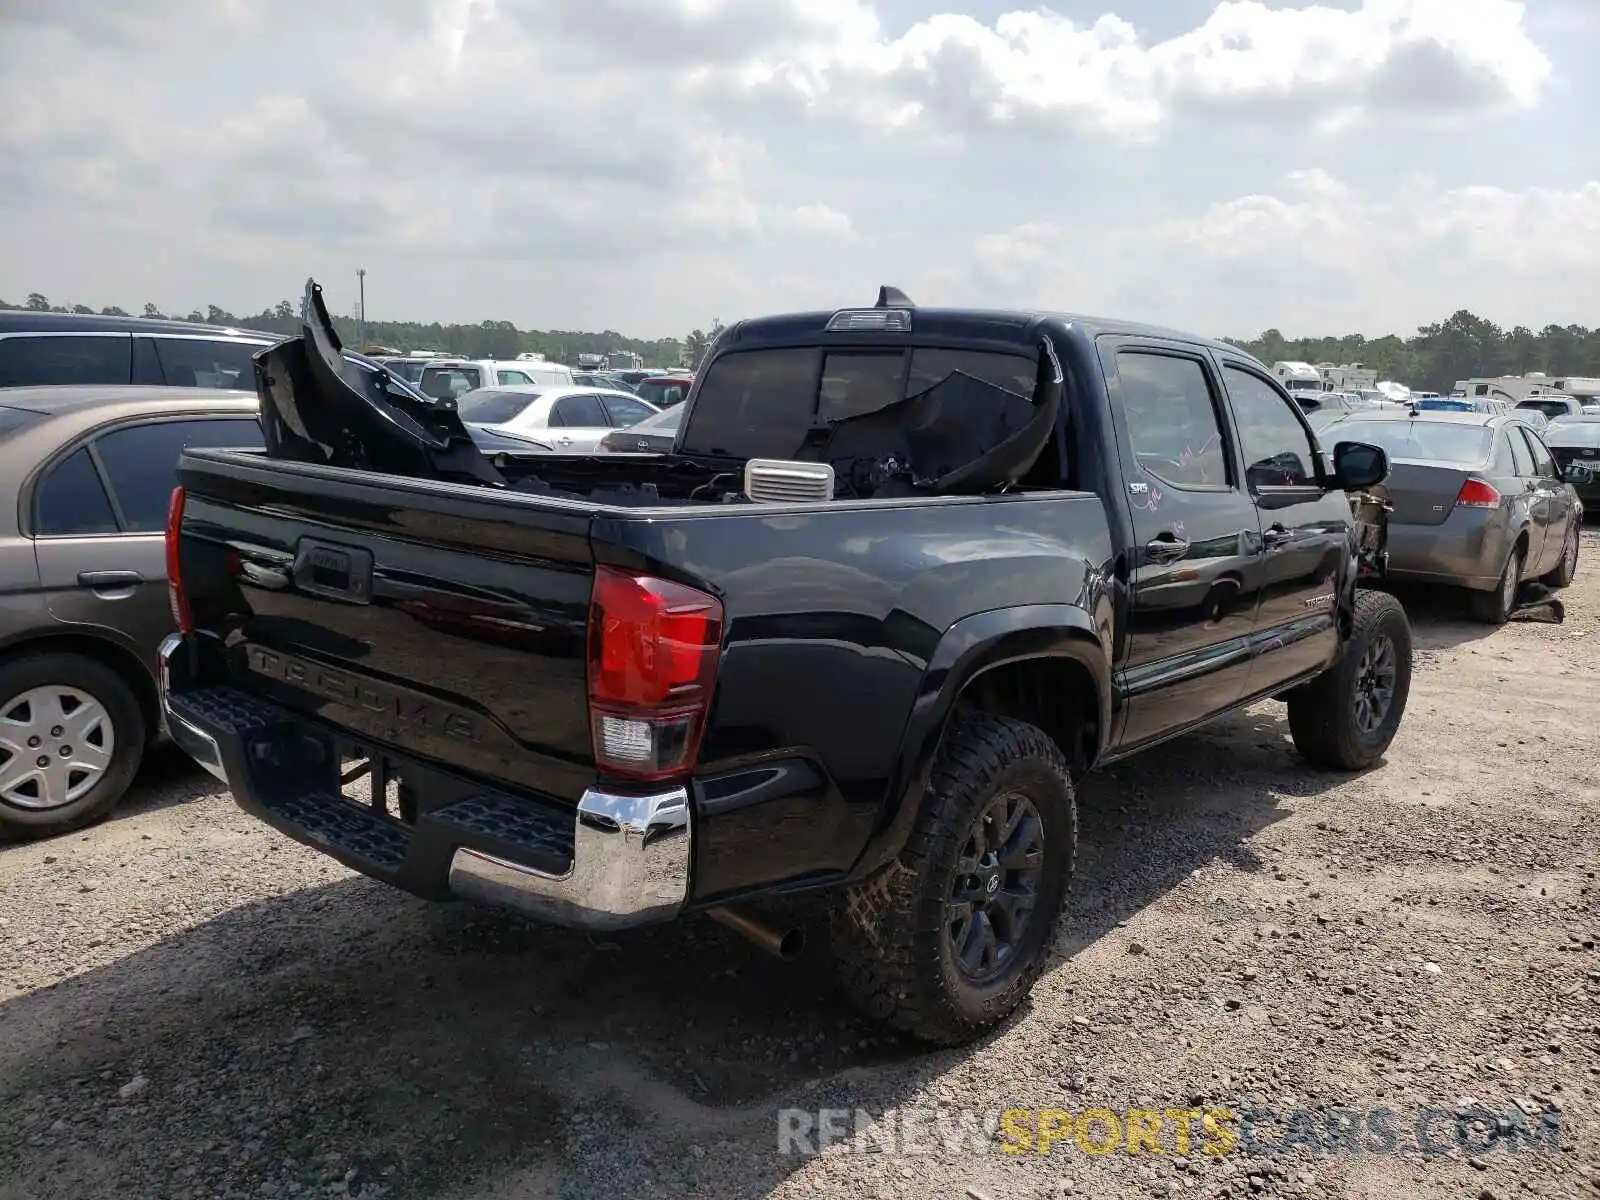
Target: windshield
x=1416 y=439
x=445 y=382
x=763 y=403
x=662 y=422
x=663 y=393
x=1560 y=433
x=1550 y=408
x=1302 y=385
x=491 y=407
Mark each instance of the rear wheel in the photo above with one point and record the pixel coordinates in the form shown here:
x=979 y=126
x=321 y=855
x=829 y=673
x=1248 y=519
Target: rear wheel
x=1496 y=607
x=949 y=939
x=71 y=740
x=1567 y=569
x=1346 y=717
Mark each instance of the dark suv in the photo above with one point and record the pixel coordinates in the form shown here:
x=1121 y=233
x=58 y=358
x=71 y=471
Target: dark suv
x=85 y=478
x=68 y=348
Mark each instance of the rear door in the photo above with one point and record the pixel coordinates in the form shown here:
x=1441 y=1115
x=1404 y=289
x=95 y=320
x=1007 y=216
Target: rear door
x=1197 y=556
x=578 y=421
x=1305 y=531
x=99 y=516
x=28 y=359
x=1553 y=508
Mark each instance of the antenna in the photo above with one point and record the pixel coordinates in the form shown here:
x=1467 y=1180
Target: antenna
x=893 y=297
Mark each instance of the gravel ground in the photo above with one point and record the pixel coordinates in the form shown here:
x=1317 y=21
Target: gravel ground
x=191 y=1005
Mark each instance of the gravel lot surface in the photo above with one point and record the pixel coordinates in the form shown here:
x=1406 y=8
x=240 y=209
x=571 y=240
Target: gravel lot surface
x=192 y=1005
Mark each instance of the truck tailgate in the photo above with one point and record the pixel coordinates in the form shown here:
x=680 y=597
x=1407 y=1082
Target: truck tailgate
x=447 y=626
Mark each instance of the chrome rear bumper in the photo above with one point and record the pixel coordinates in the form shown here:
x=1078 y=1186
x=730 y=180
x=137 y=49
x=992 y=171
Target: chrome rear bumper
x=630 y=866
x=619 y=860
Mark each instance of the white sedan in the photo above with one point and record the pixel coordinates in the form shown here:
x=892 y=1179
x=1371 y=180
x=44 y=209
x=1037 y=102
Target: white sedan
x=571 y=419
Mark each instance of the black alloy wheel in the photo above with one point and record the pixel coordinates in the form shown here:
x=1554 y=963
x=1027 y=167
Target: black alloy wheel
x=995 y=888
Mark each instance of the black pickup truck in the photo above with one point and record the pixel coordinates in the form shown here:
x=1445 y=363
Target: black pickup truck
x=906 y=575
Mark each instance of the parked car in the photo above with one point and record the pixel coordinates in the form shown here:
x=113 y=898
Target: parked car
x=615 y=688
x=1553 y=407
x=447 y=377
x=572 y=419
x=664 y=391
x=85 y=477
x=1575 y=442
x=71 y=348
x=1479 y=502
x=653 y=435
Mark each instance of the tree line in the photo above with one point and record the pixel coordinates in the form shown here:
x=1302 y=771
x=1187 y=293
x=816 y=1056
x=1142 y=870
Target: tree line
x=487 y=339
x=1460 y=347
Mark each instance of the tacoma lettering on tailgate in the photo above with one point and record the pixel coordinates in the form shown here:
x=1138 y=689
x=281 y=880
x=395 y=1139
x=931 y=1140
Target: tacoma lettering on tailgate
x=398 y=711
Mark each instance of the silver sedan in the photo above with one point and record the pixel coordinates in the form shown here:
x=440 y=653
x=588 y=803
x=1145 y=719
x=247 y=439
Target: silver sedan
x=1479 y=502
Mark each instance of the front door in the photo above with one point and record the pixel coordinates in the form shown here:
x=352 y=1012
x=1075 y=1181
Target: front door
x=1196 y=556
x=1306 y=527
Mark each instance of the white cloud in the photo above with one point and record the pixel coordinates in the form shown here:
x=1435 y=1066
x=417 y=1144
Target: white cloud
x=1387 y=57
x=819 y=220
x=640 y=164
x=1318 y=256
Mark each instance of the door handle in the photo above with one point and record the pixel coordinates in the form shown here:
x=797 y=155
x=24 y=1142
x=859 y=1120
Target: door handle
x=109 y=580
x=1276 y=535
x=1166 y=548
x=565 y=441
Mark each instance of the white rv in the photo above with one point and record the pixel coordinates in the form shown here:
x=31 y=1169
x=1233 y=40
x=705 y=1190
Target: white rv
x=1346 y=377
x=1514 y=389
x=1297 y=377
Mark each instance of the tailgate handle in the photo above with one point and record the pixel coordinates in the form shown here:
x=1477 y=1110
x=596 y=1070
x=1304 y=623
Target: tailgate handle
x=106 y=581
x=337 y=572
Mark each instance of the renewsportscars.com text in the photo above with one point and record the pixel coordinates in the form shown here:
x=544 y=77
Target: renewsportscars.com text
x=1177 y=1131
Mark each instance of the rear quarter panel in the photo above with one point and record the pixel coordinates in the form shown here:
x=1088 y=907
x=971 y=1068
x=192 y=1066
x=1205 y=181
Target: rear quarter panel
x=833 y=618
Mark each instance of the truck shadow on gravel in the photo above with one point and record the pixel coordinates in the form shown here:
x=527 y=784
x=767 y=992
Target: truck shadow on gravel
x=423 y=1046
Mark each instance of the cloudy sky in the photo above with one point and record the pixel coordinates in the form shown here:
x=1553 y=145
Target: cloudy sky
x=648 y=165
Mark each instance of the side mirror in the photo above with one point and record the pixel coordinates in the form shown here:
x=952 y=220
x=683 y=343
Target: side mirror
x=1577 y=474
x=1358 y=465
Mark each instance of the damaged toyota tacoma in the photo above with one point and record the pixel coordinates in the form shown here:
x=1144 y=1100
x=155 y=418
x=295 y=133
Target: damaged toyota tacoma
x=905 y=576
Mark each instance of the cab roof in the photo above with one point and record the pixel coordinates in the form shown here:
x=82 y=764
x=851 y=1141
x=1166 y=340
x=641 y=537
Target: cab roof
x=1015 y=325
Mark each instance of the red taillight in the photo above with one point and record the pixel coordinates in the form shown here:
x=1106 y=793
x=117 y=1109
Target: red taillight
x=652 y=668
x=177 y=599
x=1475 y=493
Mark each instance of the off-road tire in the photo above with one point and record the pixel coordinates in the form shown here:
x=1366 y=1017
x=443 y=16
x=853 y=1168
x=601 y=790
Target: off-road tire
x=1322 y=713
x=1567 y=569
x=888 y=933
x=105 y=685
x=1495 y=608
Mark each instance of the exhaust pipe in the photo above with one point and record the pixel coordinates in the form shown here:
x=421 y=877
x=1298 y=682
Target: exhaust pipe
x=777 y=941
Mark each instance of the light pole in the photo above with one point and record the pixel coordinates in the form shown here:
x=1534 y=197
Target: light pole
x=361 y=283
